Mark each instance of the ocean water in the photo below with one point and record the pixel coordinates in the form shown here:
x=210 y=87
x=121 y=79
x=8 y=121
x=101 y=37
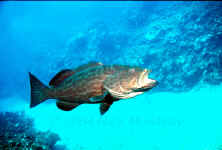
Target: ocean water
x=179 y=41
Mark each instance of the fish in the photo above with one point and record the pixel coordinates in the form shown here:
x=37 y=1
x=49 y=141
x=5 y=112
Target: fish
x=92 y=83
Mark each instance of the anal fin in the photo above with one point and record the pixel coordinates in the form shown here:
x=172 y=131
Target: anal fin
x=66 y=106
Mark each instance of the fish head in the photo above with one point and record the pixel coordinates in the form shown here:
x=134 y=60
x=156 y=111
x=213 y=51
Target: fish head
x=139 y=80
x=129 y=82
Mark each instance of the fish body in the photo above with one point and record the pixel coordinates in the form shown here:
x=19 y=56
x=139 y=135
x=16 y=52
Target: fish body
x=92 y=83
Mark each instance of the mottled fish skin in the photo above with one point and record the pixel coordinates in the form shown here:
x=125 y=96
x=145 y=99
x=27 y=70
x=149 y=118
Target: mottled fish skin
x=89 y=83
x=83 y=85
x=92 y=83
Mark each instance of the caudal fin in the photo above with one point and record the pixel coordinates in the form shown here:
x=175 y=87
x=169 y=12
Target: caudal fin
x=38 y=91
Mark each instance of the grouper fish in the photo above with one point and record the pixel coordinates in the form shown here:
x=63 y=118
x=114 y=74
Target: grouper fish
x=92 y=83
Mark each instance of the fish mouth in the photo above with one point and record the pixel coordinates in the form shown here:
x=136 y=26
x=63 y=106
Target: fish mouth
x=145 y=83
x=146 y=87
x=152 y=83
x=143 y=77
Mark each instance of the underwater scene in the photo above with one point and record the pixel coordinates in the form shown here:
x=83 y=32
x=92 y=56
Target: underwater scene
x=111 y=75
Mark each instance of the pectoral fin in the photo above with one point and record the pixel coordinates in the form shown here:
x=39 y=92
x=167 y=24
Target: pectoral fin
x=66 y=106
x=104 y=107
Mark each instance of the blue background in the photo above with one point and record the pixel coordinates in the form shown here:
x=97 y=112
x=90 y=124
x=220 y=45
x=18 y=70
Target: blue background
x=179 y=41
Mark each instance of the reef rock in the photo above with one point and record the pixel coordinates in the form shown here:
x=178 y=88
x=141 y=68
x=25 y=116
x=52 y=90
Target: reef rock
x=17 y=132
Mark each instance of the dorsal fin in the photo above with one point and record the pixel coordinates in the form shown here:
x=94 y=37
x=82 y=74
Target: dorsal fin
x=59 y=77
x=86 y=66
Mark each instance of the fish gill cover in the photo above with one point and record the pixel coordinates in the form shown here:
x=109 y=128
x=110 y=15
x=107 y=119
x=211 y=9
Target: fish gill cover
x=179 y=41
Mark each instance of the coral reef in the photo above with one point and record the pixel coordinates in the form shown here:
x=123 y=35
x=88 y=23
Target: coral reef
x=180 y=44
x=17 y=132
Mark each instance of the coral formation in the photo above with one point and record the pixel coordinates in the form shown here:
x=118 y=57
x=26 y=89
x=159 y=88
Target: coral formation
x=180 y=44
x=17 y=132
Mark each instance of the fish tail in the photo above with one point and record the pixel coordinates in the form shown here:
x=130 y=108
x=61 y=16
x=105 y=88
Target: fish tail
x=39 y=92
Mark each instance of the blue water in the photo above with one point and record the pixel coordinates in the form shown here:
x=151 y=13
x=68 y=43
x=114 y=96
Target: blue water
x=179 y=41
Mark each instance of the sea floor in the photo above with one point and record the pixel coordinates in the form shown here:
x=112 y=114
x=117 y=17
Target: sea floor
x=159 y=121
